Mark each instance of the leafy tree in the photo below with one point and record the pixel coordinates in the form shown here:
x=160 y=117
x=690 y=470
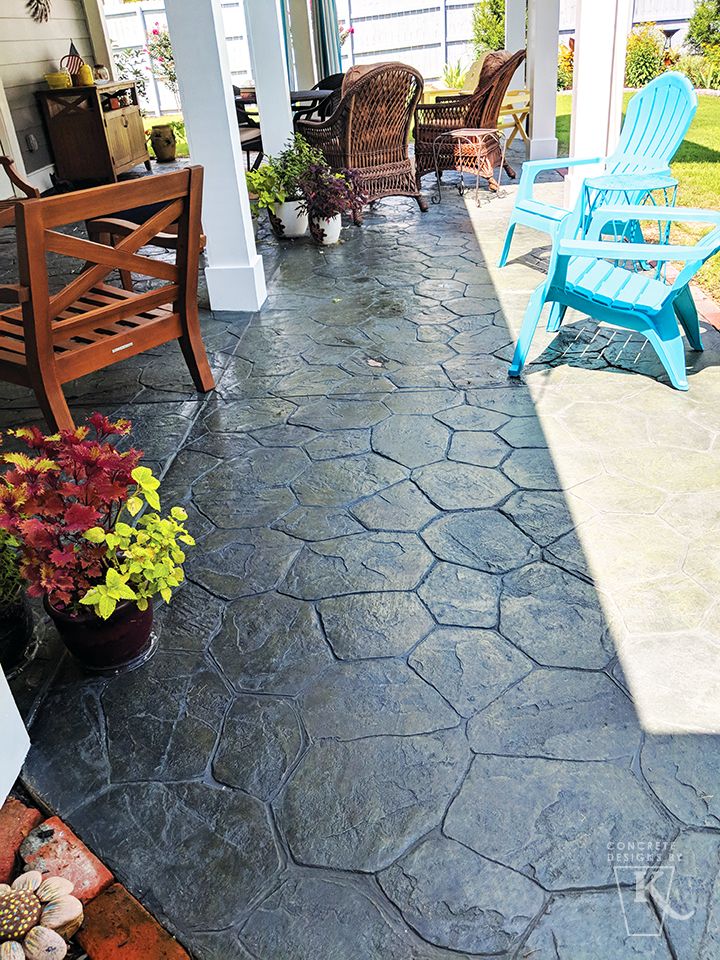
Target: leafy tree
x=488 y=26
x=704 y=26
x=645 y=55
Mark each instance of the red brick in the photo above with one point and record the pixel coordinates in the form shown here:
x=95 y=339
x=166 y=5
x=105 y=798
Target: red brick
x=117 y=927
x=54 y=849
x=16 y=822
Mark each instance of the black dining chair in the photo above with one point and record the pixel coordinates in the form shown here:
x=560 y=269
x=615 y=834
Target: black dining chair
x=250 y=135
x=324 y=108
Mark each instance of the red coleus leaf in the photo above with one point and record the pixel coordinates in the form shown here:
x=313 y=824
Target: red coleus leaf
x=63 y=558
x=37 y=534
x=79 y=518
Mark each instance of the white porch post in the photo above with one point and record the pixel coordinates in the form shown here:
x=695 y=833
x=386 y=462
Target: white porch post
x=14 y=740
x=235 y=276
x=543 y=34
x=515 y=39
x=601 y=32
x=99 y=37
x=267 y=51
x=302 y=42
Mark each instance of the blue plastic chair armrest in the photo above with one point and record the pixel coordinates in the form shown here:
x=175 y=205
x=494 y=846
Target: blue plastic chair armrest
x=630 y=251
x=604 y=215
x=532 y=168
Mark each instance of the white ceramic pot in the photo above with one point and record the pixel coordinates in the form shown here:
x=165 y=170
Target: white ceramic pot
x=292 y=218
x=330 y=227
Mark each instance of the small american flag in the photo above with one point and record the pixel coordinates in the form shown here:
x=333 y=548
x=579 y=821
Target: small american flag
x=72 y=62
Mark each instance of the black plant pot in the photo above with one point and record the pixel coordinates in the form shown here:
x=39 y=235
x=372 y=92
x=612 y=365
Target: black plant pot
x=16 y=628
x=122 y=642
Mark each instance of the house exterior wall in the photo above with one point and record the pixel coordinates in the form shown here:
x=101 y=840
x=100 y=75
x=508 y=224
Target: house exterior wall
x=28 y=51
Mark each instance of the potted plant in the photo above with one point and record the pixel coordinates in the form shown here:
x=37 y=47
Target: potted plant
x=15 y=615
x=70 y=501
x=328 y=194
x=286 y=210
x=266 y=192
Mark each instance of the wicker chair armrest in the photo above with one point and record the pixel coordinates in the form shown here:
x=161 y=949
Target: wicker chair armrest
x=450 y=98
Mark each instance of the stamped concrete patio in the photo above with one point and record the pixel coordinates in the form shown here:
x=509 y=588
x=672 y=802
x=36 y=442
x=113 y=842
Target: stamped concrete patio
x=447 y=652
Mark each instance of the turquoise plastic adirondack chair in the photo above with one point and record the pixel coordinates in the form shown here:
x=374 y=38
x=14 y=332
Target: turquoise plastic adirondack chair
x=657 y=119
x=581 y=277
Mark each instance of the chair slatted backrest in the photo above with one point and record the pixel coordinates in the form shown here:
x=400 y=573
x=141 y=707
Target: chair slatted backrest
x=378 y=110
x=657 y=120
x=483 y=107
x=87 y=308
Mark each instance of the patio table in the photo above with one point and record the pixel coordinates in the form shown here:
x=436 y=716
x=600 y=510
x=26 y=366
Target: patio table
x=470 y=140
x=299 y=99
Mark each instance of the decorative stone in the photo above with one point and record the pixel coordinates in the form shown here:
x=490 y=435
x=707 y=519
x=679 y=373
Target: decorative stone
x=261 y=740
x=364 y=562
x=411 y=440
x=461 y=597
x=560 y=714
x=245 y=415
x=347 y=923
x=244 y=562
x=339 y=443
x=271 y=644
x=553 y=819
x=483 y=539
x=555 y=618
x=340 y=414
x=470 y=668
x=401 y=507
x=369 y=698
x=541 y=514
x=471 y=418
x=334 y=482
x=374 y=624
x=532 y=470
x=684 y=773
x=459 y=900
x=478 y=447
x=461 y=486
x=359 y=805
x=318 y=523
x=693 y=896
x=240 y=494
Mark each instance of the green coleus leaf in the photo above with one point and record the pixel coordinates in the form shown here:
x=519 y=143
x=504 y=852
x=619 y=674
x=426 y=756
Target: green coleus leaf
x=95 y=535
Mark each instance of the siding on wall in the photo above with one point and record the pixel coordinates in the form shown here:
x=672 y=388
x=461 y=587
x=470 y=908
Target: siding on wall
x=28 y=51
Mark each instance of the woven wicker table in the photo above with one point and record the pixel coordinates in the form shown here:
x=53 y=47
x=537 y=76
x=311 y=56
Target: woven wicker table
x=470 y=146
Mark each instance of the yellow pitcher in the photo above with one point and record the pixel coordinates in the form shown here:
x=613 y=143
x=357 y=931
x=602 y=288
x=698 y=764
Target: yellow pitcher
x=85 y=77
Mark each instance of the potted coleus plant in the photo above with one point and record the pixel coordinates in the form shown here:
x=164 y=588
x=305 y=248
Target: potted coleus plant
x=328 y=194
x=15 y=615
x=266 y=191
x=70 y=501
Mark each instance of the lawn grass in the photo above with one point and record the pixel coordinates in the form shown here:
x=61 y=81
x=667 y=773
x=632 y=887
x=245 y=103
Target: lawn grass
x=696 y=167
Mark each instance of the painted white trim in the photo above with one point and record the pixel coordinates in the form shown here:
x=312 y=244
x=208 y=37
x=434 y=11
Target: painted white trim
x=8 y=136
x=41 y=178
x=14 y=740
x=237 y=288
x=99 y=36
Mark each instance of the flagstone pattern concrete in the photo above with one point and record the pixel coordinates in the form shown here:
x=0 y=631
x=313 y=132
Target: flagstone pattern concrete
x=387 y=719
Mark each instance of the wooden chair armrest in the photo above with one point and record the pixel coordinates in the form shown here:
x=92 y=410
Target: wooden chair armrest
x=13 y=293
x=14 y=177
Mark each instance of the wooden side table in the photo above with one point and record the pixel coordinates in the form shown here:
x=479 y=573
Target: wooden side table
x=96 y=133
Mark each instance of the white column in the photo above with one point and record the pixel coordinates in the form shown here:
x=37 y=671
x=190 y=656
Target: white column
x=601 y=32
x=543 y=37
x=235 y=276
x=515 y=39
x=267 y=51
x=302 y=43
x=14 y=740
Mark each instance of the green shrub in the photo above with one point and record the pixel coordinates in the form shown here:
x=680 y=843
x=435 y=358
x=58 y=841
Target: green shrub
x=704 y=26
x=566 y=64
x=488 y=26
x=11 y=583
x=645 y=55
x=454 y=75
x=703 y=72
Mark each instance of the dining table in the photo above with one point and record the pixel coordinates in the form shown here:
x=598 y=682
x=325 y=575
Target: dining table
x=300 y=100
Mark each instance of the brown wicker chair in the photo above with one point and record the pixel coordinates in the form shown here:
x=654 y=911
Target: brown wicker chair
x=369 y=132
x=480 y=110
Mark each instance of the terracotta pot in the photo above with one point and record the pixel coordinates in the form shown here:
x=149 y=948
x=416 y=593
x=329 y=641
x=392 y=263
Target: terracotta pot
x=164 y=143
x=119 y=644
x=288 y=220
x=326 y=231
x=16 y=628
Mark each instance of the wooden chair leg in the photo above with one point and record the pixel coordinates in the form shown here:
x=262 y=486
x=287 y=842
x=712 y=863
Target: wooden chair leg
x=193 y=348
x=422 y=203
x=51 y=401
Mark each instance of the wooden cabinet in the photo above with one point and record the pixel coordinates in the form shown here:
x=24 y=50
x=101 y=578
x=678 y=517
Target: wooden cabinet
x=96 y=133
